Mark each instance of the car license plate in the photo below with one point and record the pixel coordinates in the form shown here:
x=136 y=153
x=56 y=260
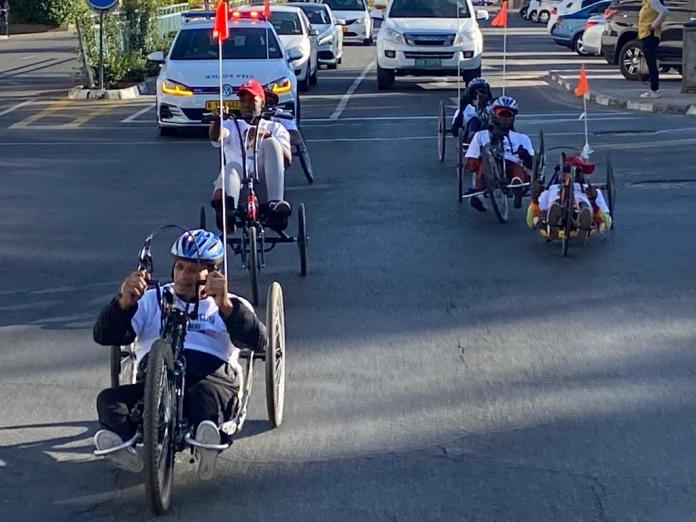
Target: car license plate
x=232 y=105
x=428 y=62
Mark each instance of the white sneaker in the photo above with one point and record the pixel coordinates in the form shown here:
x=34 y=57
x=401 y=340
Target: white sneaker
x=650 y=94
x=206 y=433
x=127 y=458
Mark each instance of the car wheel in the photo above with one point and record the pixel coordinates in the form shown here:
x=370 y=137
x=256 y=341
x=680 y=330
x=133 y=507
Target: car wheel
x=385 y=79
x=168 y=132
x=304 y=84
x=534 y=17
x=332 y=65
x=544 y=17
x=523 y=12
x=313 y=78
x=631 y=61
x=578 y=46
x=368 y=41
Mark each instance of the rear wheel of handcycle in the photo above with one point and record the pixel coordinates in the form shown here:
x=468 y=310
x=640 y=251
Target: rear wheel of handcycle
x=460 y=167
x=275 y=355
x=302 y=238
x=303 y=155
x=253 y=265
x=441 y=138
x=611 y=189
x=159 y=417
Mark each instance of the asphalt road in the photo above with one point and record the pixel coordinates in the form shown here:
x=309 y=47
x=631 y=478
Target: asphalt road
x=441 y=366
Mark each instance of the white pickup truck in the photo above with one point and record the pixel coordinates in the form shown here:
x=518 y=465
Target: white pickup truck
x=429 y=38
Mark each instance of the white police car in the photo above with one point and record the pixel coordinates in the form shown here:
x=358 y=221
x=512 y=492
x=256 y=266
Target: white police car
x=188 y=83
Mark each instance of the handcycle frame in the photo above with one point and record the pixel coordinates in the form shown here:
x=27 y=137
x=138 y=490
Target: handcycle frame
x=566 y=181
x=163 y=434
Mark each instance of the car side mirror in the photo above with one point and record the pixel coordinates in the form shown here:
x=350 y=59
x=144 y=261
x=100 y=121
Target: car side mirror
x=157 y=56
x=482 y=14
x=294 y=54
x=313 y=32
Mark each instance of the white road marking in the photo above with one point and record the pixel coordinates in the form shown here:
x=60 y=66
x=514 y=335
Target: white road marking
x=134 y=117
x=15 y=107
x=346 y=97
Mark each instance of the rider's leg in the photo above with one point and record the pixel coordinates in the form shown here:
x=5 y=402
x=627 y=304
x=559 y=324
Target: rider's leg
x=232 y=190
x=115 y=407
x=516 y=174
x=476 y=167
x=272 y=173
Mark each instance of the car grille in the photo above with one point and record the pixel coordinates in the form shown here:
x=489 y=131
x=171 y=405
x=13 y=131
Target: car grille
x=194 y=114
x=421 y=55
x=210 y=90
x=430 y=40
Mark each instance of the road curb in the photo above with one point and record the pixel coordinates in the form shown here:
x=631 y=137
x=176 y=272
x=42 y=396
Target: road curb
x=129 y=93
x=609 y=100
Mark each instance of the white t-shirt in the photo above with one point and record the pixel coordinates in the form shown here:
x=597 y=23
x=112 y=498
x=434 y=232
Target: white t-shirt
x=547 y=197
x=233 y=151
x=511 y=143
x=469 y=112
x=207 y=333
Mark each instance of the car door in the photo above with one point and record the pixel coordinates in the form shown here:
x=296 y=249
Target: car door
x=308 y=30
x=671 y=41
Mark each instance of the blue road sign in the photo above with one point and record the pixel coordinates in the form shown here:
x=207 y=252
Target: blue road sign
x=102 y=5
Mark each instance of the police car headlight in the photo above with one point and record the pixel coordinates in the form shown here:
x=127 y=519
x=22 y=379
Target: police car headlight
x=176 y=88
x=282 y=86
x=390 y=35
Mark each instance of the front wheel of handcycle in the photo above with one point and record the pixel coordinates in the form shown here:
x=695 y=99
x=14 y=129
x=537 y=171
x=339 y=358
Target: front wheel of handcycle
x=275 y=355
x=159 y=419
x=302 y=238
x=499 y=202
x=253 y=265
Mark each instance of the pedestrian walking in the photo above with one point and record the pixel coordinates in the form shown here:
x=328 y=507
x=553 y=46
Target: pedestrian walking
x=650 y=18
x=4 y=19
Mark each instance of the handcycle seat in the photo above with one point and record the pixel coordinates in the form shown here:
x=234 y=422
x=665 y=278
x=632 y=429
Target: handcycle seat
x=575 y=160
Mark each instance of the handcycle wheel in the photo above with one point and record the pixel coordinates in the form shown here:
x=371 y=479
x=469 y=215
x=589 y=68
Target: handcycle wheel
x=441 y=138
x=302 y=239
x=499 y=202
x=275 y=355
x=611 y=189
x=202 y=219
x=253 y=265
x=460 y=167
x=159 y=418
x=539 y=160
x=123 y=368
x=566 y=220
x=303 y=154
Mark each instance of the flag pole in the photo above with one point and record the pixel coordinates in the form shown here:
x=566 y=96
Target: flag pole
x=504 y=55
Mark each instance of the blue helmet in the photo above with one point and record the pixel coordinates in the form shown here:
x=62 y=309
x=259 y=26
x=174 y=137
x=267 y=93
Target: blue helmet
x=199 y=245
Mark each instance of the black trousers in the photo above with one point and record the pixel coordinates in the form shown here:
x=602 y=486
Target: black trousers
x=650 y=44
x=209 y=397
x=4 y=23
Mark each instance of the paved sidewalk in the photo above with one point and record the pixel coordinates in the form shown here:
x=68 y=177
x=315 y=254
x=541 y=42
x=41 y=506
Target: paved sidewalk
x=613 y=90
x=36 y=65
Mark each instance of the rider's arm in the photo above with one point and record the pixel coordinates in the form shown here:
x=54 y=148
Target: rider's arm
x=243 y=325
x=214 y=132
x=114 y=325
x=473 y=153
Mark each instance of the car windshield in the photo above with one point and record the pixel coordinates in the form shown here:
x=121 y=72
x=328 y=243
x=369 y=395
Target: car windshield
x=286 y=23
x=429 y=9
x=244 y=43
x=317 y=15
x=346 y=5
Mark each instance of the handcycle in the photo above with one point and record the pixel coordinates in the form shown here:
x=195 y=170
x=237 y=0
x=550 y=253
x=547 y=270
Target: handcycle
x=498 y=189
x=568 y=174
x=163 y=430
x=256 y=221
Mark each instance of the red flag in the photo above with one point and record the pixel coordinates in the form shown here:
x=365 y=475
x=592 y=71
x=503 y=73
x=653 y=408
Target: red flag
x=267 y=10
x=221 y=30
x=583 y=86
x=500 y=19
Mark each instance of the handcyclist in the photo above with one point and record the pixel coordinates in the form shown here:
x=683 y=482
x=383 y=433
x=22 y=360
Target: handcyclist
x=274 y=153
x=474 y=106
x=213 y=374
x=519 y=153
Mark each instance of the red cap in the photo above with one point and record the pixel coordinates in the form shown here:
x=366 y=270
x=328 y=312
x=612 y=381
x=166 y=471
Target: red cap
x=253 y=87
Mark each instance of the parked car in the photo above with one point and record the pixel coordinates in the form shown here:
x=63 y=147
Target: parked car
x=330 y=30
x=592 y=37
x=620 y=44
x=569 y=28
x=539 y=11
x=523 y=8
x=565 y=7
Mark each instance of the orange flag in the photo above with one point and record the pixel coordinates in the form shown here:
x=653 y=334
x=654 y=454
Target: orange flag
x=583 y=87
x=267 y=10
x=500 y=19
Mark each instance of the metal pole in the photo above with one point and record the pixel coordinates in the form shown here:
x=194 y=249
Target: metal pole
x=87 y=70
x=101 y=50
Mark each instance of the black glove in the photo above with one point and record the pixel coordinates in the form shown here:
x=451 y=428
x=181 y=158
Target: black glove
x=524 y=154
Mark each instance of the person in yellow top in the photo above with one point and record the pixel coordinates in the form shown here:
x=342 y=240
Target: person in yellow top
x=650 y=18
